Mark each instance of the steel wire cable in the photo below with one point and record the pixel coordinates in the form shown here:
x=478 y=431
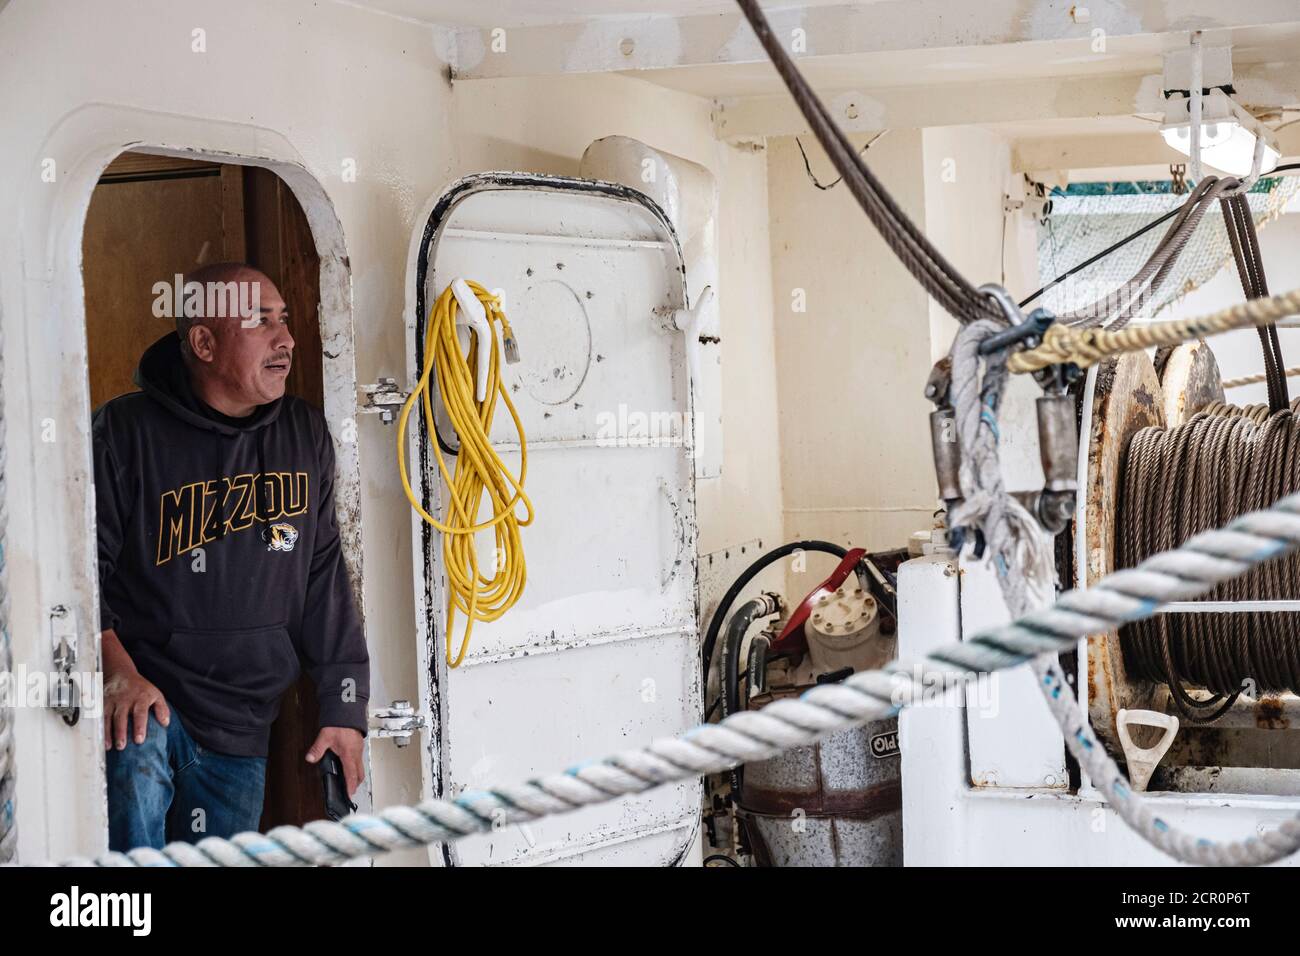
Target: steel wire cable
x=1177 y=482
x=1244 y=239
x=918 y=255
x=1289 y=168
x=1117 y=308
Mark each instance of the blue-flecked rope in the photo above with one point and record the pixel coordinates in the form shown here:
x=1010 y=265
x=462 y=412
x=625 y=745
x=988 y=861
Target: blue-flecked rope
x=1194 y=568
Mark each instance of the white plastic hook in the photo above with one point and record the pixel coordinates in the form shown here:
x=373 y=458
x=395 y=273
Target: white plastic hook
x=690 y=323
x=1142 y=761
x=473 y=315
x=687 y=320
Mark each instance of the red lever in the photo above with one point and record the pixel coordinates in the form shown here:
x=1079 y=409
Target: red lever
x=792 y=635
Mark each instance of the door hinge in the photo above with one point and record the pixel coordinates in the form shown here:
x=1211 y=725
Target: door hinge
x=383 y=398
x=400 y=721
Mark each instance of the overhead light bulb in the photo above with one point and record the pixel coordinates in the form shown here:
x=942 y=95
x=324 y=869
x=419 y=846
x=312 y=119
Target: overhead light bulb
x=1228 y=134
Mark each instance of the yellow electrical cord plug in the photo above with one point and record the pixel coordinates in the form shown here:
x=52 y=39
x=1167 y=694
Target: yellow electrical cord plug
x=478 y=469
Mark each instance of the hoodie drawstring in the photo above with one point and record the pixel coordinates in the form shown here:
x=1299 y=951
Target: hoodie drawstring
x=218 y=473
x=260 y=484
x=260 y=511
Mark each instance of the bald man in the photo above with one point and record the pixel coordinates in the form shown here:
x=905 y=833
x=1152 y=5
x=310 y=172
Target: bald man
x=221 y=570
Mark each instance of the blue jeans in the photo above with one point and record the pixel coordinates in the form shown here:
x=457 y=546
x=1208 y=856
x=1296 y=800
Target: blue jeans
x=170 y=788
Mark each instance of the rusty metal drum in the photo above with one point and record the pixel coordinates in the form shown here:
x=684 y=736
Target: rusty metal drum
x=837 y=803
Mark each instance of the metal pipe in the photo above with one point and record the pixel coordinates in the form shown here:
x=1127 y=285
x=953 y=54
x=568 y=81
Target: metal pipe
x=1058 y=450
x=765 y=604
x=1194 y=103
x=947 y=457
x=749 y=612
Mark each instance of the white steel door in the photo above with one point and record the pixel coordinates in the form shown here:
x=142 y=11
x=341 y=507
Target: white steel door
x=601 y=652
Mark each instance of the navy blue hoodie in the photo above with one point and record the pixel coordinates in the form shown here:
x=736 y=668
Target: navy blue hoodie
x=220 y=564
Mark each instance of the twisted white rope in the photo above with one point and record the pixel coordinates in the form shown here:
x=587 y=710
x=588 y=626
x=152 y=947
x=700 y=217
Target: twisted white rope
x=1291 y=372
x=1198 y=565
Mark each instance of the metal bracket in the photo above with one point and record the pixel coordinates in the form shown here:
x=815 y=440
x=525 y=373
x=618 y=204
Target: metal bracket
x=400 y=721
x=65 y=698
x=383 y=398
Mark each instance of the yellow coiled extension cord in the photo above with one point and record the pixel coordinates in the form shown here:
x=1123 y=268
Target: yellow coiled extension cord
x=478 y=470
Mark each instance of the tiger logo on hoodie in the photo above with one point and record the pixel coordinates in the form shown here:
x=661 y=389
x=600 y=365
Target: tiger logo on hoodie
x=280 y=536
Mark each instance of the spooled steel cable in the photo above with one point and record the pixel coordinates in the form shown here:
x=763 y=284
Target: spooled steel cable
x=1177 y=481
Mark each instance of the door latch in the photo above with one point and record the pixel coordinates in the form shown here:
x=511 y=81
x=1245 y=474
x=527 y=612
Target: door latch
x=65 y=694
x=383 y=398
x=400 y=721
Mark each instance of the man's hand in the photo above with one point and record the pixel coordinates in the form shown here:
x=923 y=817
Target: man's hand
x=347 y=743
x=127 y=695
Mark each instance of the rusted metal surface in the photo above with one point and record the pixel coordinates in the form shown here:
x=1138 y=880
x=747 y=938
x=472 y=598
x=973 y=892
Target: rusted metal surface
x=835 y=841
x=1126 y=397
x=860 y=804
x=1270 y=714
x=1278 y=782
x=837 y=803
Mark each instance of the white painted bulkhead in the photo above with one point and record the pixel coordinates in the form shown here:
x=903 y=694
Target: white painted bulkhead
x=314 y=87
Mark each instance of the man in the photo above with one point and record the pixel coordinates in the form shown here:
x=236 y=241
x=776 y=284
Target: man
x=220 y=566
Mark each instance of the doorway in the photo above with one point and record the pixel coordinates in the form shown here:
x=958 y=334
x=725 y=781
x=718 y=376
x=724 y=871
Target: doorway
x=151 y=218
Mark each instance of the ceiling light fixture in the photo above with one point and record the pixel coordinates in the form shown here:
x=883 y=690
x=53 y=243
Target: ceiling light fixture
x=1229 y=134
